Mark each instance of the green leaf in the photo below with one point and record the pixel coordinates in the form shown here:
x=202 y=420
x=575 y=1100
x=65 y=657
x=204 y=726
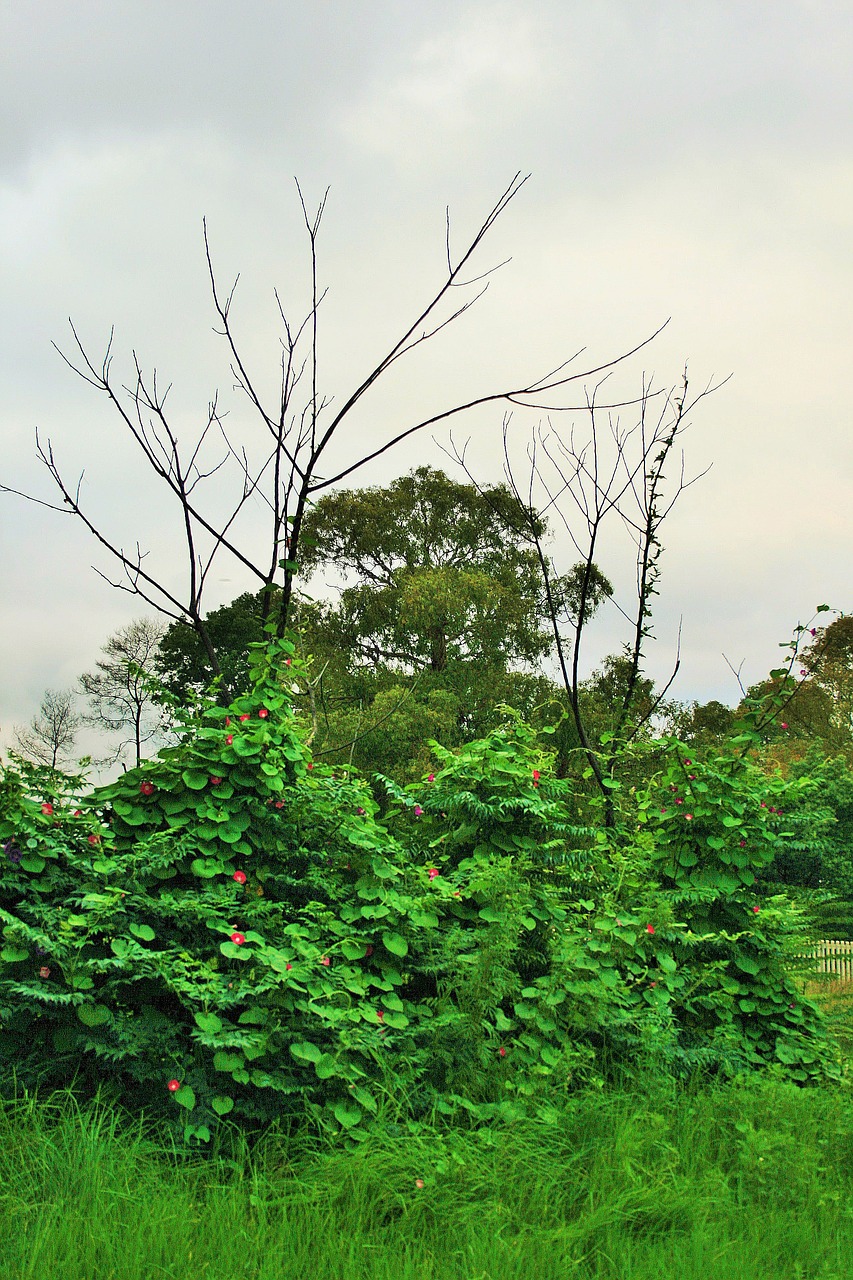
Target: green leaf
x=305 y=1049
x=395 y=943
x=326 y=1067
x=93 y=1015
x=185 y=1097
x=347 y=1115
x=142 y=931
x=33 y=862
x=208 y=1022
x=222 y=1104
x=491 y=915
x=14 y=955
x=195 y=779
x=223 y=1061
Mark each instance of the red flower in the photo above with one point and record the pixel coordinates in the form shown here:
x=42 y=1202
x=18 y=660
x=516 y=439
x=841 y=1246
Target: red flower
x=173 y=1086
x=309 y=766
x=47 y=808
x=380 y=1014
x=263 y=713
x=679 y=800
x=239 y=876
x=238 y=939
x=650 y=928
x=663 y=810
x=279 y=804
x=741 y=844
x=287 y=662
x=502 y=1051
x=688 y=762
x=433 y=872
x=147 y=788
x=755 y=910
x=229 y=739
x=784 y=724
x=78 y=813
x=653 y=984
x=688 y=817
x=359 y=811
x=431 y=777
x=227 y=720
x=93 y=839
x=288 y=966
x=325 y=960
x=536 y=775
x=44 y=972
x=419 y=1183
x=368 y=950
x=244 y=716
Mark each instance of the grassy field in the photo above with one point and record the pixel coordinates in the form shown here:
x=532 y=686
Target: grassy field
x=747 y=1182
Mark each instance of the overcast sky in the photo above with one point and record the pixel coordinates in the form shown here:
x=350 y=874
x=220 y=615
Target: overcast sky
x=691 y=162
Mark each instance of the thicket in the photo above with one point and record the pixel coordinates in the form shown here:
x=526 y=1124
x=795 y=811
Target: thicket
x=234 y=930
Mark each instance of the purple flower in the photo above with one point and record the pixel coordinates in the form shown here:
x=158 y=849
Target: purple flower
x=12 y=852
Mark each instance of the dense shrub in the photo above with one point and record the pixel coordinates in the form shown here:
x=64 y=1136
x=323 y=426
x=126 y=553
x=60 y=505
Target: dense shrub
x=231 y=930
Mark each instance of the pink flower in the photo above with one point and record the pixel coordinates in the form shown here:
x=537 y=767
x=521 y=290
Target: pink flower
x=688 y=762
x=433 y=872
x=47 y=808
x=678 y=800
x=431 y=777
x=653 y=984
x=279 y=804
x=688 y=817
x=44 y=972
x=147 y=788
x=742 y=844
x=173 y=1086
x=812 y=631
x=215 y=780
x=419 y=1183
x=663 y=810
x=325 y=960
x=803 y=671
x=650 y=928
x=502 y=1051
x=287 y=662
x=263 y=713
x=238 y=939
x=784 y=724
x=418 y=810
x=239 y=876
x=360 y=811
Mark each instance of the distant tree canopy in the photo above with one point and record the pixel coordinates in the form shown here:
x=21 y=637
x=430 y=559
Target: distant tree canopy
x=444 y=573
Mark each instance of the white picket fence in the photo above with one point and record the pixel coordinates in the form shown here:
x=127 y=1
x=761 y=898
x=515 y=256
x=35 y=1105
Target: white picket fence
x=833 y=958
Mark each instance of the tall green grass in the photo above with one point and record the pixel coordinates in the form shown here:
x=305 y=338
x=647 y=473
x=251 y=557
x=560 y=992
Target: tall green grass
x=744 y=1182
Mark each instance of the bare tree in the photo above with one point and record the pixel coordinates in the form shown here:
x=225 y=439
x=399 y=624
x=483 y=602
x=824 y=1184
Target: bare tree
x=296 y=434
x=50 y=736
x=119 y=690
x=610 y=473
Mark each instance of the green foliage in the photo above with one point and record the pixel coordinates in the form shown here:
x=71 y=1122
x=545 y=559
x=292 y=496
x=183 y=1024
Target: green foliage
x=231 y=930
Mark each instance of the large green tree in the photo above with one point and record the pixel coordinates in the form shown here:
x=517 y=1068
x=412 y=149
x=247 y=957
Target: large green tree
x=443 y=573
